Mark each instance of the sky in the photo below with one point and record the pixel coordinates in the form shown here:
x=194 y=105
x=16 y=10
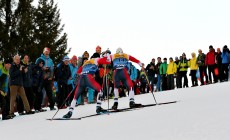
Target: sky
x=201 y=113
x=146 y=29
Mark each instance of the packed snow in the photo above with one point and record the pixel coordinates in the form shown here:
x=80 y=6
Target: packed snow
x=201 y=113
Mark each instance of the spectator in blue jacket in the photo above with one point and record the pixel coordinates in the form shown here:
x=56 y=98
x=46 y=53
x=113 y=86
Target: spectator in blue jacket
x=4 y=76
x=48 y=71
x=225 y=62
x=73 y=79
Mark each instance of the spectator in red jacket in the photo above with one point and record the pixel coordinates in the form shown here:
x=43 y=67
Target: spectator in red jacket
x=210 y=62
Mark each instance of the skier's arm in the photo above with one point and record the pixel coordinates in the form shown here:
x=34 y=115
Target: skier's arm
x=104 y=60
x=79 y=70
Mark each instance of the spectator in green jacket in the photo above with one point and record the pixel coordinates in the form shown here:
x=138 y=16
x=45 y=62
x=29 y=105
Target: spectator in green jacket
x=163 y=69
x=202 y=66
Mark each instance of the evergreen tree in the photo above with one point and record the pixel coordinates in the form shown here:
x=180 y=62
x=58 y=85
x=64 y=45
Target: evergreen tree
x=24 y=15
x=8 y=37
x=48 y=30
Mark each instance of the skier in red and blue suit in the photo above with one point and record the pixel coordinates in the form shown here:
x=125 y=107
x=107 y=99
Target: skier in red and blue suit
x=86 y=79
x=120 y=65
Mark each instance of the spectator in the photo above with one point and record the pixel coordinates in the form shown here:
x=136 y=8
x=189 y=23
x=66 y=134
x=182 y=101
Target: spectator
x=133 y=75
x=202 y=67
x=4 y=77
x=210 y=62
x=219 y=64
x=193 y=69
x=27 y=84
x=151 y=71
x=171 y=71
x=16 y=86
x=163 y=70
x=48 y=71
x=177 y=73
x=37 y=74
x=73 y=80
x=158 y=74
x=62 y=77
x=183 y=66
x=143 y=80
x=225 y=62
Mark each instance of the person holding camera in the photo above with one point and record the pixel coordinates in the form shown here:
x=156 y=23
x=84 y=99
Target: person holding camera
x=27 y=84
x=16 y=86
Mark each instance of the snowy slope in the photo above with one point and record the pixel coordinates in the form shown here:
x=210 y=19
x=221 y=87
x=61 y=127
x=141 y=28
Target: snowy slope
x=202 y=113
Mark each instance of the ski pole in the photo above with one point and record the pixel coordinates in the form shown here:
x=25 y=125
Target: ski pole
x=149 y=86
x=63 y=102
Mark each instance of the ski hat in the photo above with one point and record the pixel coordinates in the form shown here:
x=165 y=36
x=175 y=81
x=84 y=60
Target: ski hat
x=119 y=50
x=98 y=47
x=95 y=55
x=46 y=49
x=39 y=61
x=8 y=61
x=176 y=58
x=74 y=58
x=65 y=58
x=210 y=47
x=183 y=54
x=225 y=46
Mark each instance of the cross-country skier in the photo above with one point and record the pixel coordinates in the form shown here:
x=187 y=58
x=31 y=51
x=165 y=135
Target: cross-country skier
x=86 y=79
x=120 y=65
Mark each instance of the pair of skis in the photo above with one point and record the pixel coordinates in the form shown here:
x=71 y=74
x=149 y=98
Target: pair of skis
x=110 y=111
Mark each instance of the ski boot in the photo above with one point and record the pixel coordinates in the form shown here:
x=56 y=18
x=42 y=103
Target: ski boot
x=100 y=110
x=68 y=115
x=115 y=105
x=132 y=104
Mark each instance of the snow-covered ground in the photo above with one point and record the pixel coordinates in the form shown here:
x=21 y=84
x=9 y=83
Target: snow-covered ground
x=202 y=113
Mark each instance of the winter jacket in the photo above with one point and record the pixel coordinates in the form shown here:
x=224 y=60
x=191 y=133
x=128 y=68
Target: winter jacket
x=193 y=63
x=48 y=63
x=201 y=59
x=37 y=76
x=219 y=58
x=151 y=72
x=73 y=70
x=132 y=72
x=4 y=77
x=158 y=68
x=143 y=78
x=172 y=68
x=177 y=63
x=16 y=78
x=225 y=58
x=210 y=57
x=163 y=68
x=183 y=64
x=27 y=77
x=63 y=73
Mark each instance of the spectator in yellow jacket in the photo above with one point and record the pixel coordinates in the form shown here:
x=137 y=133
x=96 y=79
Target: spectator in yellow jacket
x=183 y=67
x=193 y=69
x=171 y=71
